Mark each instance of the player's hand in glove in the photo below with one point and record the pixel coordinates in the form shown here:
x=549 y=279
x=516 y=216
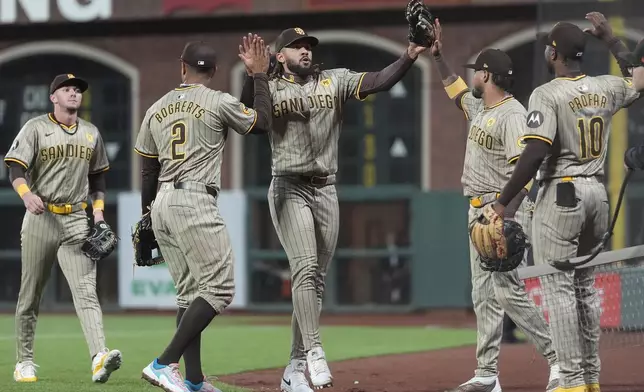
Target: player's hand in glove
x=500 y=243
x=101 y=242
x=144 y=241
x=421 y=27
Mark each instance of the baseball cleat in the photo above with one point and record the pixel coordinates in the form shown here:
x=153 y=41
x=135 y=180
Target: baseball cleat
x=553 y=380
x=166 y=377
x=319 y=369
x=25 y=372
x=203 y=386
x=104 y=364
x=294 y=378
x=479 y=384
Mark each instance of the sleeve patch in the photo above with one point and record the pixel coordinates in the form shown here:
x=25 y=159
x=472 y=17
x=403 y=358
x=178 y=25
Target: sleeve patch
x=535 y=119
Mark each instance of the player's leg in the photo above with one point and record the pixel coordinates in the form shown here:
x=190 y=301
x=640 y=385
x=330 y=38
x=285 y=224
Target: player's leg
x=39 y=241
x=80 y=273
x=589 y=311
x=556 y=232
x=326 y=216
x=187 y=290
x=194 y=220
x=489 y=326
x=290 y=208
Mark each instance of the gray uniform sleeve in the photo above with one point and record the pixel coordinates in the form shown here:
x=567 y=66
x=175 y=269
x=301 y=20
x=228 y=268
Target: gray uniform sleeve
x=236 y=115
x=513 y=129
x=623 y=91
x=541 y=121
x=145 y=145
x=469 y=105
x=23 y=149
x=99 y=161
x=349 y=83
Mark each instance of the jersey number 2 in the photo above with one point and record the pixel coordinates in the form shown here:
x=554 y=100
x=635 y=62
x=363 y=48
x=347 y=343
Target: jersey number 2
x=178 y=139
x=591 y=136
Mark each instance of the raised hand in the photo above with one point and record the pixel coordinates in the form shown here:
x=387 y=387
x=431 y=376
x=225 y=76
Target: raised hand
x=255 y=54
x=601 y=28
x=437 y=46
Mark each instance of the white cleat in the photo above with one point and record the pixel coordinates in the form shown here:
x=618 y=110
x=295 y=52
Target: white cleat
x=104 y=364
x=319 y=369
x=25 y=372
x=553 y=380
x=167 y=378
x=294 y=378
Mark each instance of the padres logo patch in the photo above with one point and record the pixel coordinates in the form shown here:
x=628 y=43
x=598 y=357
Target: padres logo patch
x=521 y=143
x=89 y=137
x=244 y=109
x=299 y=31
x=70 y=76
x=491 y=122
x=325 y=82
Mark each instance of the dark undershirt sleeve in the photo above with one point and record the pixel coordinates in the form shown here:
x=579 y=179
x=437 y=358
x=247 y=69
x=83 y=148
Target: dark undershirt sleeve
x=150 y=169
x=525 y=169
x=383 y=80
x=97 y=183
x=16 y=170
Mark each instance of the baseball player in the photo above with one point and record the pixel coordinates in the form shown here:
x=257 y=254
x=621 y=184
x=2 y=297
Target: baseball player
x=181 y=142
x=567 y=130
x=55 y=162
x=496 y=125
x=307 y=119
x=634 y=156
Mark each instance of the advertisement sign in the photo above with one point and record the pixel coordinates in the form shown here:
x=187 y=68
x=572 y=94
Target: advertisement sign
x=152 y=287
x=609 y=289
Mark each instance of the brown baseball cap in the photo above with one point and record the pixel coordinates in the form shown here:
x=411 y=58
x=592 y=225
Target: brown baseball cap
x=64 y=80
x=567 y=39
x=199 y=55
x=494 y=61
x=290 y=36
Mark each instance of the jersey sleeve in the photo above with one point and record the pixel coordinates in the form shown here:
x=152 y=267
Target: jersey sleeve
x=145 y=145
x=99 y=161
x=469 y=105
x=236 y=115
x=623 y=91
x=541 y=120
x=513 y=128
x=23 y=148
x=349 y=83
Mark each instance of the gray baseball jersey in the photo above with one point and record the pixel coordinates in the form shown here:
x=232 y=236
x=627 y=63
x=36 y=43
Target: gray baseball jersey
x=574 y=116
x=186 y=130
x=307 y=120
x=46 y=148
x=493 y=146
x=493 y=143
x=58 y=160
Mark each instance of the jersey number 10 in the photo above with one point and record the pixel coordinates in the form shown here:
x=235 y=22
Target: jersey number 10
x=178 y=140
x=591 y=136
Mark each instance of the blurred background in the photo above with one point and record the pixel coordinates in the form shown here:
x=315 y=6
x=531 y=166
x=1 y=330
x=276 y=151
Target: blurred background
x=403 y=240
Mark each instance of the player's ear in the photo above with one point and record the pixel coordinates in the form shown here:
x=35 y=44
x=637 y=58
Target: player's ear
x=486 y=76
x=280 y=57
x=52 y=98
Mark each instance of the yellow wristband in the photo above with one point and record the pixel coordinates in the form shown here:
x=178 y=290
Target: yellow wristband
x=456 y=88
x=22 y=190
x=98 y=205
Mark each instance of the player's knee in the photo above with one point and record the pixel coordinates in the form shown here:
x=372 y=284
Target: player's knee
x=218 y=298
x=304 y=275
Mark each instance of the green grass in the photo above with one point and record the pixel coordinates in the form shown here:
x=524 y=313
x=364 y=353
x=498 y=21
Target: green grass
x=231 y=344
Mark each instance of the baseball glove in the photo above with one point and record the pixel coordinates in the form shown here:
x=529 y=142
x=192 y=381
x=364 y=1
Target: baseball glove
x=421 y=23
x=143 y=242
x=101 y=242
x=500 y=243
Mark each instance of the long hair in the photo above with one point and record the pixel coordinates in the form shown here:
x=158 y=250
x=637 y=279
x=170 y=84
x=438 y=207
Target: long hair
x=276 y=71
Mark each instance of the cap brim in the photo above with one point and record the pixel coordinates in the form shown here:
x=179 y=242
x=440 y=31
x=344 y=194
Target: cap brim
x=312 y=41
x=470 y=66
x=76 y=82
x=542 y=38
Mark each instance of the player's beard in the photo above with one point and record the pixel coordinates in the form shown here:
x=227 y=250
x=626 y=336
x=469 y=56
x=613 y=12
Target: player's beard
x=298 y=69
x=477 y=93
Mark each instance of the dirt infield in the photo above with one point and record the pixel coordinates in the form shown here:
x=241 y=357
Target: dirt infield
x=522 y=369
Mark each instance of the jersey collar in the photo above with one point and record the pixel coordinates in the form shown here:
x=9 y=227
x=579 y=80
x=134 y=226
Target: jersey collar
x=69 y=129
x=501 y=102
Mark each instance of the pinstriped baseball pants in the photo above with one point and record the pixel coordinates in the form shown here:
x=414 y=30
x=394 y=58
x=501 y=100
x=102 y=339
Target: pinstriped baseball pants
x=306 y=219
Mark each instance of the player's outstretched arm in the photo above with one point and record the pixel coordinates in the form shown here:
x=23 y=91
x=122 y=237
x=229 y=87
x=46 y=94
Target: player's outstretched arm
x=603 y=31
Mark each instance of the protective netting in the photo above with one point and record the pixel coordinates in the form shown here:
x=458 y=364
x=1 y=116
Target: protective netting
x=596 y=317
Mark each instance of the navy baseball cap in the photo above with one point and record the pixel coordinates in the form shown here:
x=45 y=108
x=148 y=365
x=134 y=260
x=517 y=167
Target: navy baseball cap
x=290 y=36
x=494 y=61
x=199 y=55
x=64 y=80
x=567 y=39
x=634 y=58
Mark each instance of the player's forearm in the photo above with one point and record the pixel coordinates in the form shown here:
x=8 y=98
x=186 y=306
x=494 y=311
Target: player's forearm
x=248 y=91
x=524 y=170
x=262 y=104
x=17 y=176
x=97 y=189
x=616 y=46
x=150 y=169
x=447 y=75
x=385 y=79
x=514 y=205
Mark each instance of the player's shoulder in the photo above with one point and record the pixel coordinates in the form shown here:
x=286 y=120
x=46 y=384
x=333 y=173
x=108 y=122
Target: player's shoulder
x=87 y=125
x=43 y=119
x=513 y=108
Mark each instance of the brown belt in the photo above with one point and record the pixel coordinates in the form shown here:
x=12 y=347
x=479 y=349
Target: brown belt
x=194 y=186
